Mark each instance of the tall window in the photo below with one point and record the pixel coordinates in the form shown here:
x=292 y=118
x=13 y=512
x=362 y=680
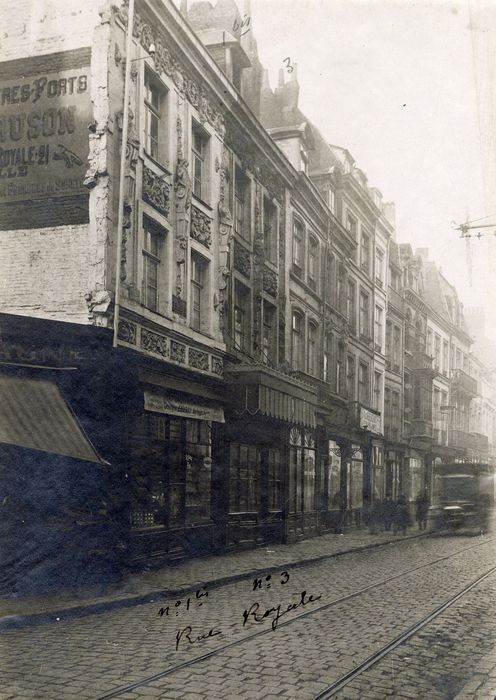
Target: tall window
x=364 y=314
x=445 y=358
x=241 y=317
x=330 y=278
x=275 y=479
x=242 y=204
x=387 y=409
x=297 y=340
x=437 y=352
x=331 y=200
x=379 y=312
x=395 y=414
x=268 y=334
x=327 y=364
x=313 y=252
x=154 y=108
x=350 y=377
x=389 y=341
x=363 y=383
x=298 y=248
x=312 y=349
x=339 y=368
x=377 y=390
x=152 y=243
x=429 y=342
x=365 y=253
x=396 y=348
x=350 y=306
x=351 y=225
x=199 y=142
x=301 y=471
x=198 y=279
x=379 y=267
x=340 y=287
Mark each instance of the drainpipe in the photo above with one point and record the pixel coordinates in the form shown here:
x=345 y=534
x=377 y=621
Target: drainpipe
x=122 y=175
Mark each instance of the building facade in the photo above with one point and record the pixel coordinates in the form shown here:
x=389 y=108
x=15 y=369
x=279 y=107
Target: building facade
x=247 y=353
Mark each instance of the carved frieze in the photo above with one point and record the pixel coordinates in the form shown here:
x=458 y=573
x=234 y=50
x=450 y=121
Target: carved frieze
x=127 y=332
x=153 y=342
x=177 y=351
x=182 y=188
x=242 y=262
x=166 y=62
x=269 y=281
x=198 y=359
x=200 y=227
x=217 y=366
x=156 y=191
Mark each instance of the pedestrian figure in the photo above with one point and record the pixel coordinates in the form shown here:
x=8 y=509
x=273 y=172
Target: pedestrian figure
x=422 y=504
x=387 y=513
x=401 y=516
x=376 y=517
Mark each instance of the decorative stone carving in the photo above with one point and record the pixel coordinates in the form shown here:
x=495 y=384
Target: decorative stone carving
x=156 y=191
x=182 y=188
x=198 y=359
x=200 y=227
x=127 y=332
x=179 y=306
x=217 y=366
x=242 y=262
x=153 y=342
x=165 y=62
x=225 y=235
x=177 y=351
x=98 y=302
x=269 y=281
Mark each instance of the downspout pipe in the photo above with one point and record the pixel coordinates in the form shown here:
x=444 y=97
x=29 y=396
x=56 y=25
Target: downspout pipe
x=122 y=174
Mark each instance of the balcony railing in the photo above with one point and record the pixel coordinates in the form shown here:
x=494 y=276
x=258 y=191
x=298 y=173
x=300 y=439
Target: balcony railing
x=461 y=382
x=421 y=360
x=460 y=439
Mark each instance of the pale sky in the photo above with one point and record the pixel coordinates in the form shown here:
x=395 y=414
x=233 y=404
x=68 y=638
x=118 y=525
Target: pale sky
x=394 y=81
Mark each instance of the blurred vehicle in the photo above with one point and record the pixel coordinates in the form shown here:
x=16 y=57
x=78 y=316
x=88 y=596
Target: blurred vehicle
x=463 y=497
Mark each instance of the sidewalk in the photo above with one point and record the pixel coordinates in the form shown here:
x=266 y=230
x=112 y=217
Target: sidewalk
x=180 y=579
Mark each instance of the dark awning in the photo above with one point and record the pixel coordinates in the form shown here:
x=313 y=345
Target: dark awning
x=34 y=415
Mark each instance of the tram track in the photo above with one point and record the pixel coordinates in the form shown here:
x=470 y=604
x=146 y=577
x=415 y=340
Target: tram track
x=373 y=659
x=346 y=678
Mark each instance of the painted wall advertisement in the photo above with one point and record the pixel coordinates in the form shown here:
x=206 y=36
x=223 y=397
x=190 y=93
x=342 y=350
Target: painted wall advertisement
x=44 y=133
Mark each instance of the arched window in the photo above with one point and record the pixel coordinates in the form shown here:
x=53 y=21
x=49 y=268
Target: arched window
x=297 y=340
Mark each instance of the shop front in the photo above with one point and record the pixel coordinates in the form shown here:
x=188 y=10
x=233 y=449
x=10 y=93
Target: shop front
x=170 y=474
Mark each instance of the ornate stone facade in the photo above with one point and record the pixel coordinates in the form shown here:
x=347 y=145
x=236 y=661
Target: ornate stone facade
x=242 y=262
x=127 y=332
x=153 y=342
x=198 y=359
x=269 y=281
x=166 y=63
x=200 y=227
x=177 y=352
x=156 y=191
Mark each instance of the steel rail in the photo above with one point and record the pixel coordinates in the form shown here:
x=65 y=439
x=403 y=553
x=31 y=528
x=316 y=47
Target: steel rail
x=344 y=680
x=237 y=642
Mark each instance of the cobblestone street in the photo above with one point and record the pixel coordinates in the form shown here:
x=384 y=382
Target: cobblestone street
x=288 y=634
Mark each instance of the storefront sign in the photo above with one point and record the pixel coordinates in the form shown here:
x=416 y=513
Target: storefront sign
x=44 y=120
x=163 y=403
x=370 y=421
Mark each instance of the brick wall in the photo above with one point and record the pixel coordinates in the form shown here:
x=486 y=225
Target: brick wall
x=46 y=273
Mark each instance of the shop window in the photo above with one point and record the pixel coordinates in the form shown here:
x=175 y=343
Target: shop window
x=155 y=116
x=199 y=292
x=243 y=478
x=334 y=476
x=275 y=479
x=298 y=248
x=170 y=472
x=153 y=238
x=242 y=204
x=297 y=340
x=270 y=230
x=199 y=159
x=301 y=471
